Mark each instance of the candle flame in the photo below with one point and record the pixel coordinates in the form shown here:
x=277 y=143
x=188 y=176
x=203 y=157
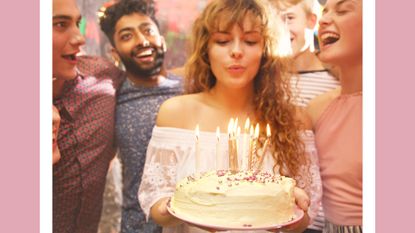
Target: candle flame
x=235 y=126
x=217 y=133
x=268 y=131
x=238 y=132
x=197 y=131
x=230 y=126
x=256 y=130
x=247 y=125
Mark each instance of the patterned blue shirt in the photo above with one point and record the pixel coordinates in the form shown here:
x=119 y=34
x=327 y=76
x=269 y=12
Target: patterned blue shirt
x=135 y=118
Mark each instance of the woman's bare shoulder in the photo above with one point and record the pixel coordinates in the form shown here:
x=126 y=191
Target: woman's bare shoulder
x=176 y=111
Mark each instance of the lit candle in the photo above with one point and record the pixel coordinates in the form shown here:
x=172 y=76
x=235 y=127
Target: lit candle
x=233 y=159
x=197 y=150
x=254 y=156
x=230 y=144
x=238 y=135
x=245 y=146
x=265 y=147
x=218 y=157
x=251 y=142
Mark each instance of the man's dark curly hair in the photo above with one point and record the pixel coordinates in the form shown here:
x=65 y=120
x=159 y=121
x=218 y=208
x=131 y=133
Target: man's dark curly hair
x=125 y=7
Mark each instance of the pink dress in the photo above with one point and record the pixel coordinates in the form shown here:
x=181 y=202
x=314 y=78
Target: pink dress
x=338 y=135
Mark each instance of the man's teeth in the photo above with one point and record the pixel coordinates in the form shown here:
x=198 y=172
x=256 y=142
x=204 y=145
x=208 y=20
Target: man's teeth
x=144 y=53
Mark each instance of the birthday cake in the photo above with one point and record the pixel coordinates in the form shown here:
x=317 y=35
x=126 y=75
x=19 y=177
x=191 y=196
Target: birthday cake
x=243 y=198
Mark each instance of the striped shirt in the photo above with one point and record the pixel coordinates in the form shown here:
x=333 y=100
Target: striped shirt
x=309 y=84
x=305 y=87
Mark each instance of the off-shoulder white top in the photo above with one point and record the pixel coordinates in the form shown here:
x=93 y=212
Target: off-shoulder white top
x=171 y=157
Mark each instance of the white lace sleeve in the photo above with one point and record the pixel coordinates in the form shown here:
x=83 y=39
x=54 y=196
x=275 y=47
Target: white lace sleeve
x=310 y=181
x=168 y=154
x=159 y=177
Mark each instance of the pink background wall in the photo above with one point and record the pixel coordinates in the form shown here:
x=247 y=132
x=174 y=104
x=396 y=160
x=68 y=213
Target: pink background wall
x=19 y=117
x=395 y=116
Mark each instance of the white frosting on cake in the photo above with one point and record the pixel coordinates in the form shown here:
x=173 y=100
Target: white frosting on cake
x=242 y=199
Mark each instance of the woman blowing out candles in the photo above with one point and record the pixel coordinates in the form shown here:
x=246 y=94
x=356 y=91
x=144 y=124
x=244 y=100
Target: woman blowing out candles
x=235 y=70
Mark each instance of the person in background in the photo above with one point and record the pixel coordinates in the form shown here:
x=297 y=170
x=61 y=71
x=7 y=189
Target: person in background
x=133 y=31
x=236 y=69
x=312 y=78
x=84 y=91
x=337 y=117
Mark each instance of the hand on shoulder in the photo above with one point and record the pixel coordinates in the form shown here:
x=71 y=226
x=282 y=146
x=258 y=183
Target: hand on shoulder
x=317 y=105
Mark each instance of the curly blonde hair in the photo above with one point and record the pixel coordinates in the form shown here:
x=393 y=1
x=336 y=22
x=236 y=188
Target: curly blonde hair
x=272 y=96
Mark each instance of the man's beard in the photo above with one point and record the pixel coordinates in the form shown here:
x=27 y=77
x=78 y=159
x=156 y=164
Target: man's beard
x=131 y=66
